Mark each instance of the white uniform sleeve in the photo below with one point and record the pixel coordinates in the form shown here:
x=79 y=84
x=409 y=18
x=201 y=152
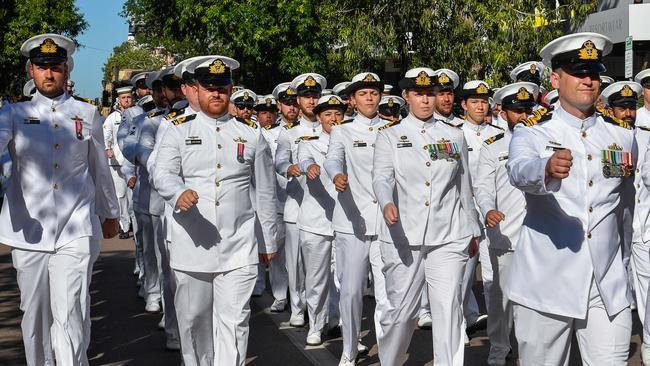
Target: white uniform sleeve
x=645 y=168
x=146 y=142
x=106 y=204
x=305 y=159
x=383 y=171
x=283 y=153
x=265 y=194
x=485 y=182
x=167 y=177
x=467 y=194
x=335 y=154
x=151 y=162
x=526 y=168
x=6 y=126
x=130 y=142
x=108 y=131
x=128 y=169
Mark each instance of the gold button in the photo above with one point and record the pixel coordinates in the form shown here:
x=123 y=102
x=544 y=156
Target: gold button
x=584 y=133
x=591 y=183
x=588 y=156
x=218 y=129
x=426 y=203
x=427 y=184
x=56 y=125
x=373 y=145
x=591 y=209
x=219 y=146
x=428 y=163
x=218 y=166
x=637 y=170
x=589 y=235
x=374 y=201
x=216 y=203
x=57 y=146
x=217 y=183
x=369 y=128
x=638 y=185
x=424 y=147
x=56 y=186
x=56 y=166
x=423 y=131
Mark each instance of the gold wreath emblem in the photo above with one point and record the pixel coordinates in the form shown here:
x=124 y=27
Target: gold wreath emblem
x=588 y=51
x=423 y=79
x=333 y=100
x=523 y=94
x=369 y=79
x=391 y=103
x=627 y=91
x=217 y=67
x=310 y=81
x=443 y=78
x=48 y=46
x=533 y=69
x=482 y=89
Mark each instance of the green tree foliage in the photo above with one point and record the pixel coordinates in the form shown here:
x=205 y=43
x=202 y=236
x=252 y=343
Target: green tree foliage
x=130 y=56
x=22 y=19
x=276 y=40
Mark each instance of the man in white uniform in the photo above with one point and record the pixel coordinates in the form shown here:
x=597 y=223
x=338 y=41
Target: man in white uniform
x=575 y=166
x=205 y=165
x=59 y=202
x=308 y=87
x=421 y=180
x=503 y=207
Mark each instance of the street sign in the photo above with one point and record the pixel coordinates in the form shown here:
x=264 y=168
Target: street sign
x=629 y=54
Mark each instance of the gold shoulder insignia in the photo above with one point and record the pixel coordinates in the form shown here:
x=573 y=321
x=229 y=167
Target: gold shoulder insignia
x=155 y=114
x=272 y=126
x=497 y=127
x=174 y=113
x=494 y=138
x=390 y=124
x=542 y=114
x=308 y=138
x=343 y=122
x=460 y=126
x=290 y=125
x=87 y=100
x=609 y=118
x=643 y=128
x=182 y=119
x=19 y=98
x=247 y=122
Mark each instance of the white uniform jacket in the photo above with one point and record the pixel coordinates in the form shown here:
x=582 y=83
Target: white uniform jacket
x=110 y=127
x=318 y=202
x=421 y=166
x=271 y=134
x=453 y=119
x=573 y=228
x=351 y=149
x=286 y=155
x=493 y=191
x=641 y=224
x=218 y=159
x=60 y=183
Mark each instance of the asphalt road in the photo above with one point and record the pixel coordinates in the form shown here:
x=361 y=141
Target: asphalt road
x=123 y=334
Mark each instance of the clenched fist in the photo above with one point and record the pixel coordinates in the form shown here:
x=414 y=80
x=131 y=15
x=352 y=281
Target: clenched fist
x=186 y=200
x=293 y=171
x=390 y=214
x=559 y=164
x=493 y=218
x=341 y=182
x=313 y=172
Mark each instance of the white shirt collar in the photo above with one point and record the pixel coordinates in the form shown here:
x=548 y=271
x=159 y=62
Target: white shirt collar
x=307 y=123
x=573 y=121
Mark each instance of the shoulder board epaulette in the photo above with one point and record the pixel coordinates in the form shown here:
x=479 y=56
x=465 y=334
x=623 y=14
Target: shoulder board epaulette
x=390 y=124
x=452 y=125
x=87 y=100
x=344 y=122
x=609 y=118
x=308 y=138
x=290 y=125
x=272 y=126
x=19 y=98
x=155 y=114
x=643 y=128
x=494 y=138
x=182 y=119
x=174 y=113
x=542 y=114
x=497 y=127
x=247 y=122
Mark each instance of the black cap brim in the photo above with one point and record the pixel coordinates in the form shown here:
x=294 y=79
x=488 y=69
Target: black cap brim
x=518 y=106
x=407 y=84
x=623 y=102
x=584 y=68
x=319 y=108
x=358 y=85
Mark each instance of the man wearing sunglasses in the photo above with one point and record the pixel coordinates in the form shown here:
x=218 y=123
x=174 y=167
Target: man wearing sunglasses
x=244 y=100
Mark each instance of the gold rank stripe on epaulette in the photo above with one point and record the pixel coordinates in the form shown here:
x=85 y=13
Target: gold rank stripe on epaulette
x=494 y=138
x=542 y=114
x=452 y=125
x=643 y=128
x=271 y=126
x=290 y=125
x=390 y=124
x=87 y=100
x=155 y=114
x=19 y=98
x=174 y=113
x=182 y=119
x=308 y=138
x=497 y=127
x=247 y=122
x=607 y=117
x=344 y=122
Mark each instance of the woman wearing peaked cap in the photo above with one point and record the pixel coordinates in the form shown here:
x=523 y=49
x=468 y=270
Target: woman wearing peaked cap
x=55 y=222
x=356 y=219
x=421 y=181
x=567 y=274
x=307 y=88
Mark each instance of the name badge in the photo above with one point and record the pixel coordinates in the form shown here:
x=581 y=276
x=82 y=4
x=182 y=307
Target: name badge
x=404 y=144
x=359 y=144
x=32 y=121
x=504 y=157
x=192 y=141
x=554 y=148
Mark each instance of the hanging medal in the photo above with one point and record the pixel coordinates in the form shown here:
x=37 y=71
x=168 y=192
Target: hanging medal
x=78 y=127
x=240 y=149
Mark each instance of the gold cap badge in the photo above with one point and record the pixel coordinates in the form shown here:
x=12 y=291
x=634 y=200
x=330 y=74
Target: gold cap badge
x=48 y=46
x=588 y=51
x=443 y=78
x=310 y=81
x=217 y=67
x=482 y=89
x=627 y=91
x=423 y=79
x=369 y=79
x=523 y=94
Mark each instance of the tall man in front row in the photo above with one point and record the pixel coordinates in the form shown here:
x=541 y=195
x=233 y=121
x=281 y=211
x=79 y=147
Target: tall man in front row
x=205 y=165
x=60 y=192
x=575 y=166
